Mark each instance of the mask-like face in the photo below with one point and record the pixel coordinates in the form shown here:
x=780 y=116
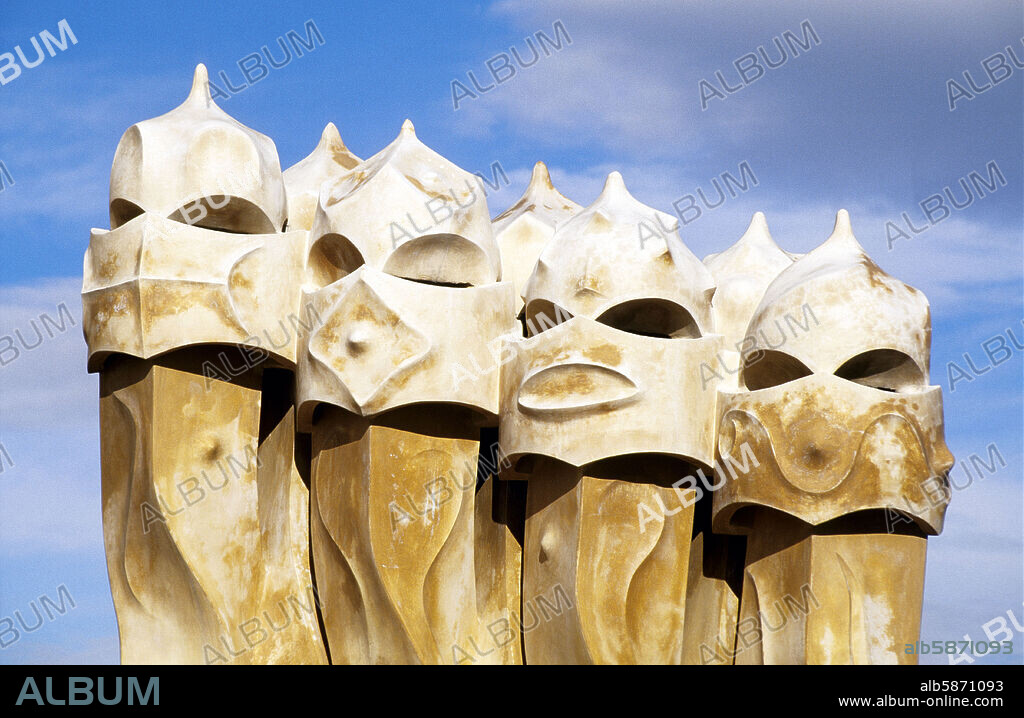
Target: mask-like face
x=416 y=322
x=194 y=255
x=408 y=212
x=834 y=414
x=619 y=309
x=153 y=285
x=387 y=342
x=212 y=170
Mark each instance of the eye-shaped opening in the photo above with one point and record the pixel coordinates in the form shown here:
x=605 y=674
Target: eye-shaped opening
x=652 y=318
x=225 y=214
x=122 y=212
x=331 y=258
x=885 y=369
x=540 y=314
x=768 y=368
x=445 y=259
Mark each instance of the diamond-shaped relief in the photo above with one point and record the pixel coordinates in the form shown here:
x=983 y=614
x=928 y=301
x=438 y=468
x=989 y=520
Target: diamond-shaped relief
x=367 y=343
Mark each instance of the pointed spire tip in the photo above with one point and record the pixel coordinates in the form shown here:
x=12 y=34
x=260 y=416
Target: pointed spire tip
x=540 y=177
x=200 y=84
x=759 y=223
x=842 y=235
x=842 y=225
x=614 y=183
x=408 y=128
x=330 y=135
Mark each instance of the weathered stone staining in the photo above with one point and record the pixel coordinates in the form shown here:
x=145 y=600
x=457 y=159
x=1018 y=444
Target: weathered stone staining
x=645 y=467
x=406 y=276
x=582 y=400
x=742 y=273
x=205 y=518
x=847 y=433
x=409 y=212
x=154 y=285
x=204 y=506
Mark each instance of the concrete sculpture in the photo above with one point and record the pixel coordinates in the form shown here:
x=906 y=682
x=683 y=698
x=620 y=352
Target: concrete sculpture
x=847 y=434
x=524 y=229
x=405 y=272
x=204 y=505
x=346 y=417
x=742 y=274
x=616 y=316
x=328 y=161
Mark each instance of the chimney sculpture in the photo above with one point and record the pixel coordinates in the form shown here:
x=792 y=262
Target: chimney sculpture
x=742 y=273
x=524 y=229
x=735 y=461
x=619 y=309
x=194 y=286
x=395 y=386
x=327 y=162
x=850 y=462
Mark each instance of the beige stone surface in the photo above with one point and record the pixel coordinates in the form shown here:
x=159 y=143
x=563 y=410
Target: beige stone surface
x=524 y=229
x=856 y=308
x=498 y=567
x=154 y=285
x=598 y=589
x=826 y=447
x=409 y=212
x=395 y=528
x=199 y=165
x=583 y=378
x=204 y=484
x=742 y=274
x=868 y=436
x=395 y=385
x=614 y=320
x=369 y=309
x=713 y=589
x=328 y=161
x=386 y=342
x=204 y=520
x=623 y=263
x=843 y=598
x=838 y=464
x=619 y=309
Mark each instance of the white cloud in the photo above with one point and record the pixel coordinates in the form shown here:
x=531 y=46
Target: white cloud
x=974 y=570
x=42 y=379
x=48 y=422
x=632 y=91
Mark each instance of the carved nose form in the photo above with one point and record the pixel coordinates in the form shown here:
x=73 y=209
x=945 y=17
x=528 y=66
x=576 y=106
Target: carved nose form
x=358 y=339
x=816 y=452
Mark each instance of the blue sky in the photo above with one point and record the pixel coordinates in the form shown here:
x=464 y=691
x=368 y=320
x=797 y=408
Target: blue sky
x=860 y=121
